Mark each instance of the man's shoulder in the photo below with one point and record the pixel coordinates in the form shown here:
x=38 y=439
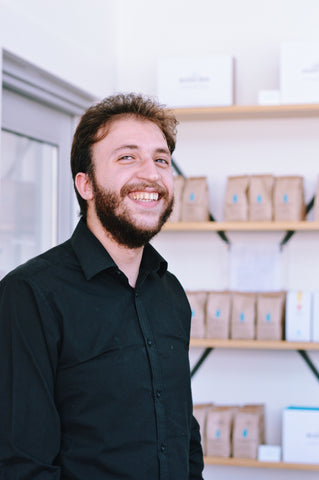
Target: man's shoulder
x=174 y=284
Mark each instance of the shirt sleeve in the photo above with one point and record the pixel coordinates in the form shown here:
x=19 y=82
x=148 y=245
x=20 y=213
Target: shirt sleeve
x=30 y=428
x=196 y=462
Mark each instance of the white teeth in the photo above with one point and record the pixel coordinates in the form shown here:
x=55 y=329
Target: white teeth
x=145 y=196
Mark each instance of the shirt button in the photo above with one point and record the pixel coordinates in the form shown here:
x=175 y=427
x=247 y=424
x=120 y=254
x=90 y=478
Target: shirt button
x=163 y=448
x=158 y=394
x=149 y=342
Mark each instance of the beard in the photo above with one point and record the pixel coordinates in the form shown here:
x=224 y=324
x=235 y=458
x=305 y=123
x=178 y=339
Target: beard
x=119 y=222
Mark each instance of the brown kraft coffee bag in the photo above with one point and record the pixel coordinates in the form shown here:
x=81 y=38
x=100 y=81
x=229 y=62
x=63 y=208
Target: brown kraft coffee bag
x=218 y=314
x=195 y=205
x=289 y=203
x=200 y=412
x=236 y=199
x=270 y=315
x=243 y=316
x=219 y=427
x=176 y=214
x=260 y=198
x=249 y=431
x=197 y=301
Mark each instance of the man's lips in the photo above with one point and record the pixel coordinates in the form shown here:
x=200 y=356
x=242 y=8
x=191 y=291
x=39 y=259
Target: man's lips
x=145 y=196
x=144 y=192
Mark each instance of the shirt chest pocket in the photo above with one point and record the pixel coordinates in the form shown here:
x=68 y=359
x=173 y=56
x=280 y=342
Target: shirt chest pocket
x=98 y=334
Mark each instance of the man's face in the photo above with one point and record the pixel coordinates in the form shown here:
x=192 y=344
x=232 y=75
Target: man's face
x=132 y=181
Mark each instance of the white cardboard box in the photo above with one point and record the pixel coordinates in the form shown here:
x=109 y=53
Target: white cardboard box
x=269 y=453
x=300 y=435
x=196 y=82
x=298 y=316
x=299 y=72
x=315 y=317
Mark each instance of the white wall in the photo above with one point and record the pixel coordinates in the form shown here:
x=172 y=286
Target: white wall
x=251 y=31
x=71 y=39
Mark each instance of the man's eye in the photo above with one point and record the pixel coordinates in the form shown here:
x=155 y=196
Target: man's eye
x=164 y=161
x=126 y=157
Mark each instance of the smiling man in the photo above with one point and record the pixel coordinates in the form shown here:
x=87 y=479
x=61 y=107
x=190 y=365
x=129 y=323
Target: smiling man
x=94 y=333
x=128 y=189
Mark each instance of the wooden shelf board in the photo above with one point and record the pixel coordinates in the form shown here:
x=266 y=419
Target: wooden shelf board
x=253 y=344
x=241 y=226
x=247 y=111
x=246 y=462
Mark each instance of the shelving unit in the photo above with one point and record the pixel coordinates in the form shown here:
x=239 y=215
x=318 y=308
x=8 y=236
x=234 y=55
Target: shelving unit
x=246 y=462
x=242 y=113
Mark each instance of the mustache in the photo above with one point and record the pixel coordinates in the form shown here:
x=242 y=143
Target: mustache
x=138 y=187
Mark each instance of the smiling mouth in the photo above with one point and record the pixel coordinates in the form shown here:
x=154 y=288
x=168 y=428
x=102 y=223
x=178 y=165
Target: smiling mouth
x=145 y=196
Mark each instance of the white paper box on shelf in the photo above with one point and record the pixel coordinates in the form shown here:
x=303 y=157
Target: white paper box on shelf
x=300 y=435
x=269 y=453
x=299 y=72
x=298 y=316
x=196 y=82
x=315 y=317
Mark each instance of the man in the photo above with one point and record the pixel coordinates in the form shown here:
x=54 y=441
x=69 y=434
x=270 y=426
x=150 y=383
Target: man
x=94 y=337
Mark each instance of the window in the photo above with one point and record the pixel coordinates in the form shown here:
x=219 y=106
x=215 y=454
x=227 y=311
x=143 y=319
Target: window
x=39 y=113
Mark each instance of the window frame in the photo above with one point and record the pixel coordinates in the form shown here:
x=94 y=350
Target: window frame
x=33 y=83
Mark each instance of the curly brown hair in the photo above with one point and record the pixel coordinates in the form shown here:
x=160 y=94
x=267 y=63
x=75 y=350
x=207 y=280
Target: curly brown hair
x=91 y=129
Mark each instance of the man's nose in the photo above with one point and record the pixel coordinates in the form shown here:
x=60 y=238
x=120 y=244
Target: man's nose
x=148 y=170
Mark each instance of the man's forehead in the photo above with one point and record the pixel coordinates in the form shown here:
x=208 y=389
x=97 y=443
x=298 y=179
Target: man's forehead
x=122 y=128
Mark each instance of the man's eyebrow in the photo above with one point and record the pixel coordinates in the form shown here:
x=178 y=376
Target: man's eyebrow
x=162 y=150
x=123 y=147
x=136 y=147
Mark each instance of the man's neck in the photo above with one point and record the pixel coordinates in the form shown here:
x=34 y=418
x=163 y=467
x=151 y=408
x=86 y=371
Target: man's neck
x=127 y=259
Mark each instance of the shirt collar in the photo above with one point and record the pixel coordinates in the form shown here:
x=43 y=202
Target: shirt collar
x=94 y=258
x=152 y=261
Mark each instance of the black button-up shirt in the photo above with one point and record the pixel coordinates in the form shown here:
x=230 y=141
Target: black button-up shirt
x=95 y=381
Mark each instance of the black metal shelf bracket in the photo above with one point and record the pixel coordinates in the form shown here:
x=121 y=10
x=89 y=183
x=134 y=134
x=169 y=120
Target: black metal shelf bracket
x=290 y=233
x=221 y=233
x=309 y=362
x=201 y=360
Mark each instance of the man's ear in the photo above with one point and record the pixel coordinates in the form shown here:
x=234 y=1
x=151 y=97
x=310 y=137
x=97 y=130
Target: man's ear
x=84 y=186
